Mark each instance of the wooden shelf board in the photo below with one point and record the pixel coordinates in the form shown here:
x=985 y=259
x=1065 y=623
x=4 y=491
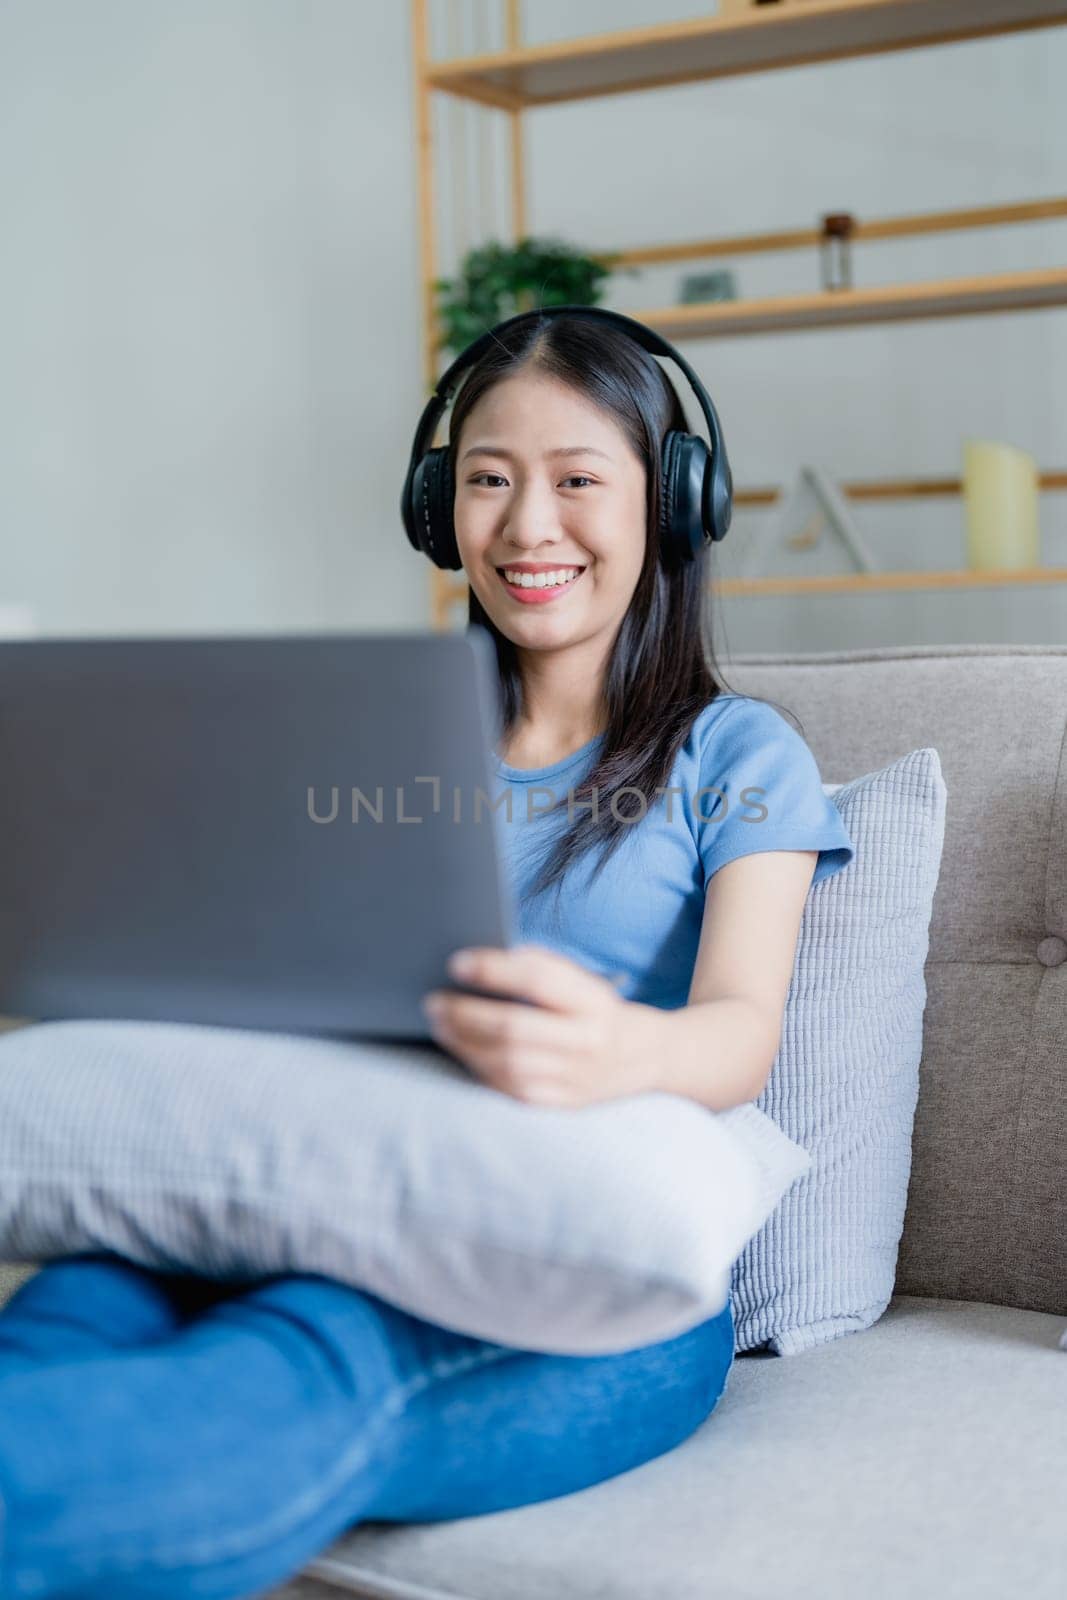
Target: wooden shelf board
x=900 y=302
x=855 y=582
x=914 y=225
x=766 y=39
x=894 y=489
x=885 y=582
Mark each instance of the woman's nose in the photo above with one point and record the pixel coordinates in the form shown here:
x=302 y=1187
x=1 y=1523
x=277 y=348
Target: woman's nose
x=531 y=523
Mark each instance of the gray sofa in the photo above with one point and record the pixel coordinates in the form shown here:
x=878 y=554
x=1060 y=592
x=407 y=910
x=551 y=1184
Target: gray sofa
x=927 y=1454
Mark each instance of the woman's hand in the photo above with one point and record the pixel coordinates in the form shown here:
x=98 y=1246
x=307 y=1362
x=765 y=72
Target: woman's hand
x=579 y=1042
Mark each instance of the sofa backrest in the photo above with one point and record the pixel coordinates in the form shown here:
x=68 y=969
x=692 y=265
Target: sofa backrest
x=987 y=1201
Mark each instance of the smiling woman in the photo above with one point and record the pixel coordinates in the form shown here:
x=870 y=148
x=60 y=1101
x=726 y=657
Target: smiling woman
x=660 y=891
x=582 y=510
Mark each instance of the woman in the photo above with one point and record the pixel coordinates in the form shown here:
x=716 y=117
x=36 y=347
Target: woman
x=166 y=1436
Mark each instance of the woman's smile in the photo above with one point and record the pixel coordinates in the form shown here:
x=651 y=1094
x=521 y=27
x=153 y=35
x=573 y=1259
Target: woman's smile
x=537 y=584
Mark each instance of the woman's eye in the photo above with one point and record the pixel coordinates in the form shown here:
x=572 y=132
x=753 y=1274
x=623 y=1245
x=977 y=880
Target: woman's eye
x=576 y=477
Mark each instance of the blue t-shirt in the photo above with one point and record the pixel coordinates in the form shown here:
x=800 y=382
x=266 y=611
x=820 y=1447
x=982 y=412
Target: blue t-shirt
x=640 y=920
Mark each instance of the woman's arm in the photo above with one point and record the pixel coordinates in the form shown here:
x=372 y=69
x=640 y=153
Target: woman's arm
x=579 y=1041
x=720 y=1047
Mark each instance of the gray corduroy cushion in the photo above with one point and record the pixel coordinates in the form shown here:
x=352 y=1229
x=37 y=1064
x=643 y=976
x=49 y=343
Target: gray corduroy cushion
x=846 y=1079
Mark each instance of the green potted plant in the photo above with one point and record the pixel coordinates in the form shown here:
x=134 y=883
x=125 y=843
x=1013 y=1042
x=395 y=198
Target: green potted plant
x=497 y=281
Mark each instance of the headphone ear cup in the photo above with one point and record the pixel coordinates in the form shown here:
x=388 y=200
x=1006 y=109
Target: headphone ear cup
x=719 y=498
x=436 y=524
x=686 y=461
x=667 y=496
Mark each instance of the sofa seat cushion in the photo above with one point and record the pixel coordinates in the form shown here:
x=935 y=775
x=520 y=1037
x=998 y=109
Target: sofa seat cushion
x=922 y=1456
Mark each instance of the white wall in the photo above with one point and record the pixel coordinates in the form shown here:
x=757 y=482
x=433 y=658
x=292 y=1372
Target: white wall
x=208 y=292
x=209 y=299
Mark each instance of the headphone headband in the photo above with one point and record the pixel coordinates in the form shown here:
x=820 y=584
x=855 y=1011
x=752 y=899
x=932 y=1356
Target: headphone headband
x=697 y=482
x=646 y=337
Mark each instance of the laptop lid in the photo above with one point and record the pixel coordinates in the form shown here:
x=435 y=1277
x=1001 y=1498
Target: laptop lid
x=280 y=832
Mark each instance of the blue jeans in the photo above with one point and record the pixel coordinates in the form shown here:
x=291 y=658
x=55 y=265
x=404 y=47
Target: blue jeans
x=163 y=1435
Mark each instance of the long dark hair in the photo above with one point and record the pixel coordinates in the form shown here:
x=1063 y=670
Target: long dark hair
x=662 y=671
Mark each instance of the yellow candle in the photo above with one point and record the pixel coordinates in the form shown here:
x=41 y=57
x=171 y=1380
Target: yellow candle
x=1000 y=494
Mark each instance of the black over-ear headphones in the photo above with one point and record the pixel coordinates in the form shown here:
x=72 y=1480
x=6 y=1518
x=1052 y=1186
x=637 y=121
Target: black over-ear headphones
x=697 y=493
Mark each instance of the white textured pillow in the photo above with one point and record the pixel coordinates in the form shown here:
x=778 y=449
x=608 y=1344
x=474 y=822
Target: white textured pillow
x=845 y=1082
x=236 y=1154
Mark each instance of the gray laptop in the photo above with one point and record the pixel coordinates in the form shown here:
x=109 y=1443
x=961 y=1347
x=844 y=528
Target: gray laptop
x=279 y=832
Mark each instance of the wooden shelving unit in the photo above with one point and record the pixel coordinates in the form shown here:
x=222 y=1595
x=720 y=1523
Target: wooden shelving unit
x=746 y=39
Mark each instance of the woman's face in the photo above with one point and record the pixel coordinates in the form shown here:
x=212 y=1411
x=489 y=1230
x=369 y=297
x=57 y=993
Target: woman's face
x=548 y=482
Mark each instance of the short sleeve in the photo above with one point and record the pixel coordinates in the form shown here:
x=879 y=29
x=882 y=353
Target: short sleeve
x=760 y=789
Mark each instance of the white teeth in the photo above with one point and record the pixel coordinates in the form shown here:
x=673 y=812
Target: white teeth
x=541 y=580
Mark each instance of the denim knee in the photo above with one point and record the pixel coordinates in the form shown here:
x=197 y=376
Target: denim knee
x=97 y=1293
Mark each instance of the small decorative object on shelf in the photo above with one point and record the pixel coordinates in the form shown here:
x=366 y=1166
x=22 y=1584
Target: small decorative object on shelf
x=498 y=281
x=701 y=287
x=1000 y=494
x=813 y=503
x=837 y=231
